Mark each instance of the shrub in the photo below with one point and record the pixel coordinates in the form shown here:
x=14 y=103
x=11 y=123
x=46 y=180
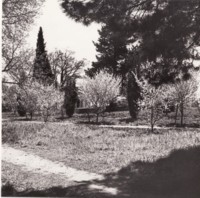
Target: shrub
x=9 y=97
x=49 y=99
x=21 y=109
x=182 y=94
x=33 y=97
x=153 y=100
x=21 y=99
x=99 y=91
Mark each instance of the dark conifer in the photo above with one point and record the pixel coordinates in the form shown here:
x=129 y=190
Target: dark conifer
x=42 y=69
x=70 y=97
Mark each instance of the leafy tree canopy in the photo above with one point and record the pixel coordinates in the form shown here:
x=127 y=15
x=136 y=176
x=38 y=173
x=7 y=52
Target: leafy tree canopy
x=158 y=35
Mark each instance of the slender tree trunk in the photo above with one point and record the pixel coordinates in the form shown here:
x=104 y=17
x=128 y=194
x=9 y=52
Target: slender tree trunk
x=176 y=113
x=97 y=118
x=62 y=112
x=182 y=112
x=103 y=114
x=152 y=120
x=88 y=114
x=46 y=115
x=31 y=115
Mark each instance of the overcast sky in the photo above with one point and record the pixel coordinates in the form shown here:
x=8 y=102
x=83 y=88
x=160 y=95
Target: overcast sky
x=62 y=33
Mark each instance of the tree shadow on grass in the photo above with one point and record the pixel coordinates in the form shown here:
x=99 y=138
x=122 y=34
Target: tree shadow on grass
x=191 y=125
x=176 y=176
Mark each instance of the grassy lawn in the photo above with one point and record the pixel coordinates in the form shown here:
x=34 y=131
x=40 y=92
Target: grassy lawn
x=191 y=118
x=118 y=153
x=23 y=180
x=95 y=149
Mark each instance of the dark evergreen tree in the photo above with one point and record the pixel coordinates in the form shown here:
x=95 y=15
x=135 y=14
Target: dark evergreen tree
x=20 y=106
x=112 y=49
x=71 y=97
x=167 y=31
x=42 y=70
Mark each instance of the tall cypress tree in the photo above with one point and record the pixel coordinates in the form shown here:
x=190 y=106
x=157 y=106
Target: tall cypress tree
x=42 y=69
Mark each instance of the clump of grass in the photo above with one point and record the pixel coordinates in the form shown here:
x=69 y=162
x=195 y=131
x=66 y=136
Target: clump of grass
x=9 y=134
x=13 y=133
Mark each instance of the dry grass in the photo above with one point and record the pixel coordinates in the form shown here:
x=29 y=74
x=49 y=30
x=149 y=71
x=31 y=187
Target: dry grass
x=136 y=162
x=95 y=149
x=23 y=180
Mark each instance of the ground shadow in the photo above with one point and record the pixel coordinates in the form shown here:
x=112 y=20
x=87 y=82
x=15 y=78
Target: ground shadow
x=176 y=176
x=127 y=120
x=191 y=125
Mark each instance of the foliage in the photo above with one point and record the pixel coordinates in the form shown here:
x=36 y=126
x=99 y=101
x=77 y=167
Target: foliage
x=33 y=97
x=65 y=65
x=111 y=49
x=42 y=69
x=70 y=98
x=17 y=17
x=21 y=110
x=67 y=69
x=156 y=38
x=21 y=99
x=9 y=96
x=99 y=91
x=182 y=94
x=133 y=95
x=48 y=99
x=153 y=100
x=166 y=32
x=197 y=94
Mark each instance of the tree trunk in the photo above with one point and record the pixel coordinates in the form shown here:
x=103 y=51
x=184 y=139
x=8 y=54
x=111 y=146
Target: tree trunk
x=46 y=115
x=97 y=118
x=103 y=114
x=62 y=112
x=152 y=120
x=182 y=112
x=31 y=115
x=133 y=96
x=88 y=114
x=176 y=113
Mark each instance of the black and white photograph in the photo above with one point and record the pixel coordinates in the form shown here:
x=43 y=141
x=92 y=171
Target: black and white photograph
x=100 y=98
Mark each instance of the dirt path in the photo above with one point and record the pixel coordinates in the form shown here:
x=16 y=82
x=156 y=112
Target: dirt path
x=37 y=164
